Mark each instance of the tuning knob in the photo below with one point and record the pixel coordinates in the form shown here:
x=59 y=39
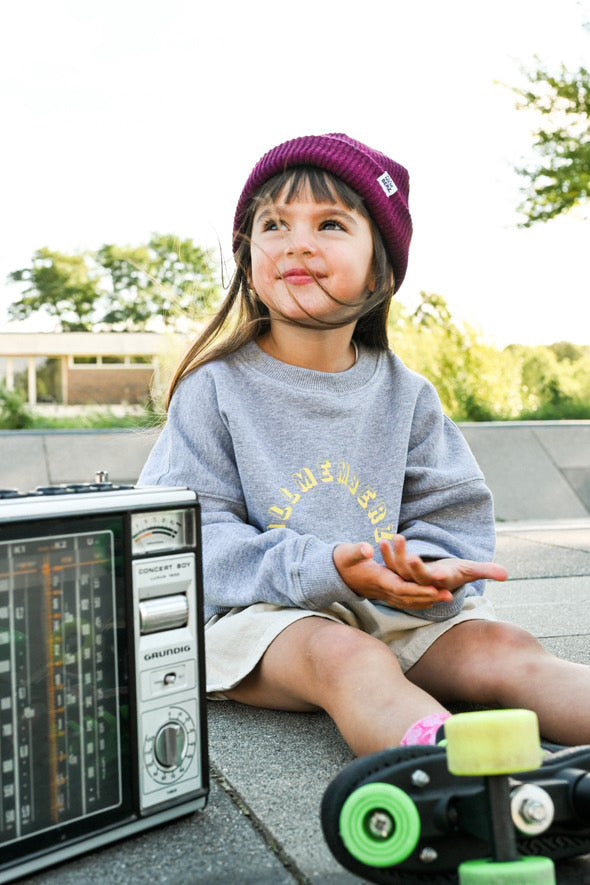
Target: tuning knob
x=169 y=745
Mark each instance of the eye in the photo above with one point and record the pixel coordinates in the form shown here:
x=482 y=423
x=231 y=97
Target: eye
x=332 y=224
x=271 y=224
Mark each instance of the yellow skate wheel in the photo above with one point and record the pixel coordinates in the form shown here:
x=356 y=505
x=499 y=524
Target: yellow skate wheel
x=493 y=742
x=526 y=871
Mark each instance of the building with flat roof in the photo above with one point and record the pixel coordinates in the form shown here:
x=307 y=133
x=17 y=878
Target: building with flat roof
x=81 y=368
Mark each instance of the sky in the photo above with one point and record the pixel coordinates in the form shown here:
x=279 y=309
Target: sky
x=128 y=117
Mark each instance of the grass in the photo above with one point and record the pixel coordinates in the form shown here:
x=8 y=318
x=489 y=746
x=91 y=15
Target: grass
x=99 y=420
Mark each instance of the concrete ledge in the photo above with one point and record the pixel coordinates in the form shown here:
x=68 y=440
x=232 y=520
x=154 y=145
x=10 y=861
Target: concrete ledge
x=34 y=458
x=536 y=470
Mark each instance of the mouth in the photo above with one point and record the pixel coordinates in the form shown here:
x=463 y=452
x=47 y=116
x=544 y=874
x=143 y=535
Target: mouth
x=300 y=276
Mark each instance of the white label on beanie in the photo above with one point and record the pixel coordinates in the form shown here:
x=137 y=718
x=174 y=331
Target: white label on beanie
x=388 y=184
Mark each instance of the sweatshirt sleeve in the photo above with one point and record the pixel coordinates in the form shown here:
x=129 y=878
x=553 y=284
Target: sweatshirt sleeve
x=447 y=509
x=242 y=565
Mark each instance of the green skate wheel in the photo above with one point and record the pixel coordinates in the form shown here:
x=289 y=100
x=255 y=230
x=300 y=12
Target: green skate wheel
x=527 y=871
x=493 y=742
x=379 y=825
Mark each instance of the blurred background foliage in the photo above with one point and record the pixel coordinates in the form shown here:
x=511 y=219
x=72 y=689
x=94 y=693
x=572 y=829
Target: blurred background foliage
x=477 y=382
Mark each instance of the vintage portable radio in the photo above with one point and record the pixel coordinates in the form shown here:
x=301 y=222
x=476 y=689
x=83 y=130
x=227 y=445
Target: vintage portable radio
x=102 y=712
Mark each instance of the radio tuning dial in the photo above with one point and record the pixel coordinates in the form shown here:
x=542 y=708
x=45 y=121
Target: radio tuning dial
x=170 y=748
x=169 y=745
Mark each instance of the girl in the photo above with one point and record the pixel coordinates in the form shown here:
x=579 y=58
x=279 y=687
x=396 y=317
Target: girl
x=347 y=529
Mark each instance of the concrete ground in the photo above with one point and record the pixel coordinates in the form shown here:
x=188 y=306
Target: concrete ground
x=270 y=769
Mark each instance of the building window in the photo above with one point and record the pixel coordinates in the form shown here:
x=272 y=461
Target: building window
x=112 y=360
x=20 y=376
x=49 y=380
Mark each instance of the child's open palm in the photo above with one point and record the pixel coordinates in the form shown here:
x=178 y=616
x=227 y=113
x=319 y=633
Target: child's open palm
x=406 y=581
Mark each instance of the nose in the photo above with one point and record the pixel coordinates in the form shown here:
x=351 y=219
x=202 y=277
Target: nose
x=300 y=240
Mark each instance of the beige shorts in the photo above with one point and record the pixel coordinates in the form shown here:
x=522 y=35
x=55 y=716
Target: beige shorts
x=236 y=641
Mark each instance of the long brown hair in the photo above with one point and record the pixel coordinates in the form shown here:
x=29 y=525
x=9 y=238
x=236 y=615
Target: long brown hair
x=243 y=317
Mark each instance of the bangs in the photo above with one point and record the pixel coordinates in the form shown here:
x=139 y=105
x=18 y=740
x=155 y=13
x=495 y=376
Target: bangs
x=323 y=187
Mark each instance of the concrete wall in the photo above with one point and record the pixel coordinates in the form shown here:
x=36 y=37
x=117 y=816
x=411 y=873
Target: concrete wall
x=29 y=459
x=537 y=470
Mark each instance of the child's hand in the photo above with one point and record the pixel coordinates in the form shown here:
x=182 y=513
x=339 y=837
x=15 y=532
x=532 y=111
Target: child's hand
x=366 y=577
x=405 y=581
x=444 y=574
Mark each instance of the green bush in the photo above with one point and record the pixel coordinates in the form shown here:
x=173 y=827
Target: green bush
x=14 y=412
x=564 y=410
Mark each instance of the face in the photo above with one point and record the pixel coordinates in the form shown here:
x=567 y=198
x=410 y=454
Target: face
x=303 y=250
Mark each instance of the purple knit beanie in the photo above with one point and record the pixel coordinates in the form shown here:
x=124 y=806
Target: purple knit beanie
x=382 y=183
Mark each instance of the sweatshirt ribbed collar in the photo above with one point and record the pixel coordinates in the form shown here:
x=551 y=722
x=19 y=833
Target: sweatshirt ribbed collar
x=327 y=382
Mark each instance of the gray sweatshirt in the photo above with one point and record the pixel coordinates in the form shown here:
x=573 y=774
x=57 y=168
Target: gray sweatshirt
x=289 y=462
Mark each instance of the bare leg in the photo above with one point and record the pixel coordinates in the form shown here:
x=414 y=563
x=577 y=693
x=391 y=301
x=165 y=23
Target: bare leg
x=320 y=664
x=498 y=664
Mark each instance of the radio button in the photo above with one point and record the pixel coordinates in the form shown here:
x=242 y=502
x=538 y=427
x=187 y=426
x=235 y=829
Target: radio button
x=169 y=745
x=163 y=613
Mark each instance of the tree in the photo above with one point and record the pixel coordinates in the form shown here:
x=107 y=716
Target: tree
x=560 y=179
x=119 y=288
x=434 y=311
x=168 y=278
x=60 y=285
x=565 y=350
